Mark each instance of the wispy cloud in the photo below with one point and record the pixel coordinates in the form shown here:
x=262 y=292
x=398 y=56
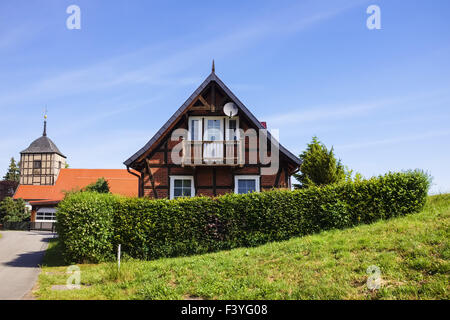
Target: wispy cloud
x=164 y=70
x=12 y=37
x=395 y=140
x=343 y=111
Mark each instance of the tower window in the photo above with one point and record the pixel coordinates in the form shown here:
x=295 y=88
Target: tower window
x=37 y=164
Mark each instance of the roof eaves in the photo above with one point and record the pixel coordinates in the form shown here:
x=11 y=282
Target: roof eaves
x=177 y=113
x=250 y=115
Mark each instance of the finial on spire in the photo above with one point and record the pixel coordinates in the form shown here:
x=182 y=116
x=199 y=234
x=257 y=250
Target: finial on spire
x=213 y=67
x=45 y=122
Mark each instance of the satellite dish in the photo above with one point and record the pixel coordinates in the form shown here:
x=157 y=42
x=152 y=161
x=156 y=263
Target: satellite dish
x=230 y=109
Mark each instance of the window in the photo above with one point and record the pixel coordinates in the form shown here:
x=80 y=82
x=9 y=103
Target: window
x=213 y=129
x=181 y=186
x=231 y=129
x=246 y=184
x=46 y=215
x=37 y=164
x=195 y=126
x=195 y=129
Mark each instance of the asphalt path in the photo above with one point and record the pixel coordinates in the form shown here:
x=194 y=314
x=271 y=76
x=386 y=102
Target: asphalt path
x=21 y=253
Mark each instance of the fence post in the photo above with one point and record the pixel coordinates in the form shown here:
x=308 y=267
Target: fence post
x=118 y=257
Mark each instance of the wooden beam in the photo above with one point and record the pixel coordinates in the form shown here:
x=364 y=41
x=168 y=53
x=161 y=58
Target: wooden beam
x=202 y=100
x=152 y=181
x=214 y=181
x=213 y=98
x=217 y=187
x=277 y=179
x=157 y=187
x=166 y=150
x=195 y=180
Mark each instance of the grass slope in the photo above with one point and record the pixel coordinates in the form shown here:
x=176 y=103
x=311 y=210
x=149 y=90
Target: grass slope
x=412 y=252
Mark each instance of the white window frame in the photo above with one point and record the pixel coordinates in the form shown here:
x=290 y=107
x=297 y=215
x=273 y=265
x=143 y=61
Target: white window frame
x=224 y=121
x=45 y=210
x=200 y=128
x=246 y=177
x=205 y=129
x=227 y=128
x=172 y=185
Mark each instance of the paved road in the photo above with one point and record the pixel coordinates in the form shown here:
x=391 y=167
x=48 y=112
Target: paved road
x=21 y=252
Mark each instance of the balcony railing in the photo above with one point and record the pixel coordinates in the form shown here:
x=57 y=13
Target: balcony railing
x=227 y=153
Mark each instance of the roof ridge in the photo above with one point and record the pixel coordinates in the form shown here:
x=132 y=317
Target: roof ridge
x=210 y=78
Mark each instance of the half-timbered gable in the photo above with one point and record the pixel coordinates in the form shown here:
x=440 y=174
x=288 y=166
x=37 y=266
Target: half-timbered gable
x=203 y=150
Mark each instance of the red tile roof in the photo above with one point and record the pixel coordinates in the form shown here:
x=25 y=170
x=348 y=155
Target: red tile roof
x=120 y=181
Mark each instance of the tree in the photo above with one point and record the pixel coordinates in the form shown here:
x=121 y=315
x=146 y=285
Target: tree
x=13 y=173
x=319 y=166
x=100 y=186
x=13 y=210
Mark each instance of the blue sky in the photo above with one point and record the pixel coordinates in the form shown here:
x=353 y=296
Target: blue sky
x=380 y=97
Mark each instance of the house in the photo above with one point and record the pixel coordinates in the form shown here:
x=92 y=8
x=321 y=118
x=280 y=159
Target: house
x=212 y=145
x=44 y=179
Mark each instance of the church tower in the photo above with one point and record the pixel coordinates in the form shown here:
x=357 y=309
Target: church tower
x=41 y=161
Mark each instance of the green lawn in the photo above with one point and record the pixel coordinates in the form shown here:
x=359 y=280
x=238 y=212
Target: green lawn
x=412 y=253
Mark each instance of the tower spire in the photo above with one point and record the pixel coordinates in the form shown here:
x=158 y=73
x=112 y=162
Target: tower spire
x=213 y=67
x=45 y=123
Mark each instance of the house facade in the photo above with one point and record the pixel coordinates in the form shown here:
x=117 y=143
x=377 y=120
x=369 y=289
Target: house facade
x=212 y=145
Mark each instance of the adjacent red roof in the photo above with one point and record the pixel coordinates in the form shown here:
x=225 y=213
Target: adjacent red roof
x=120 y=181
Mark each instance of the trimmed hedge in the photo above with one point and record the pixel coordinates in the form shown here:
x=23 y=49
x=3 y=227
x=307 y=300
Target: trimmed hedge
x=91 y=225
x=85 y=226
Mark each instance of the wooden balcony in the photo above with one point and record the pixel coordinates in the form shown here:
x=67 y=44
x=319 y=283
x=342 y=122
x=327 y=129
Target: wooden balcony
x=213 y=153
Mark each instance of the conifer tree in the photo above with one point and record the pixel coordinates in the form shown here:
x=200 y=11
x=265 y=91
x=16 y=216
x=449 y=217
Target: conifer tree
x=319 y=166
x=13 y=173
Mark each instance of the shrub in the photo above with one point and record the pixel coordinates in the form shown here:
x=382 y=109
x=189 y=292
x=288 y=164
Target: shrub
x=149 y=229
x=100 y=186
x=85 y=226
x=13 y=210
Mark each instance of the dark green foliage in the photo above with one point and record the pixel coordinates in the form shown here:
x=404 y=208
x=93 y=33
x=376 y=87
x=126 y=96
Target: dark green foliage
x=319 y=166
x=13 y=210
x=85 y=226
x=100 y=186
x=13 y=173
x=149 y=229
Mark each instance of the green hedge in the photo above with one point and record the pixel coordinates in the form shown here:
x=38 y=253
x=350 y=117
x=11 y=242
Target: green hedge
x=91 y=225
x=85 y=226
